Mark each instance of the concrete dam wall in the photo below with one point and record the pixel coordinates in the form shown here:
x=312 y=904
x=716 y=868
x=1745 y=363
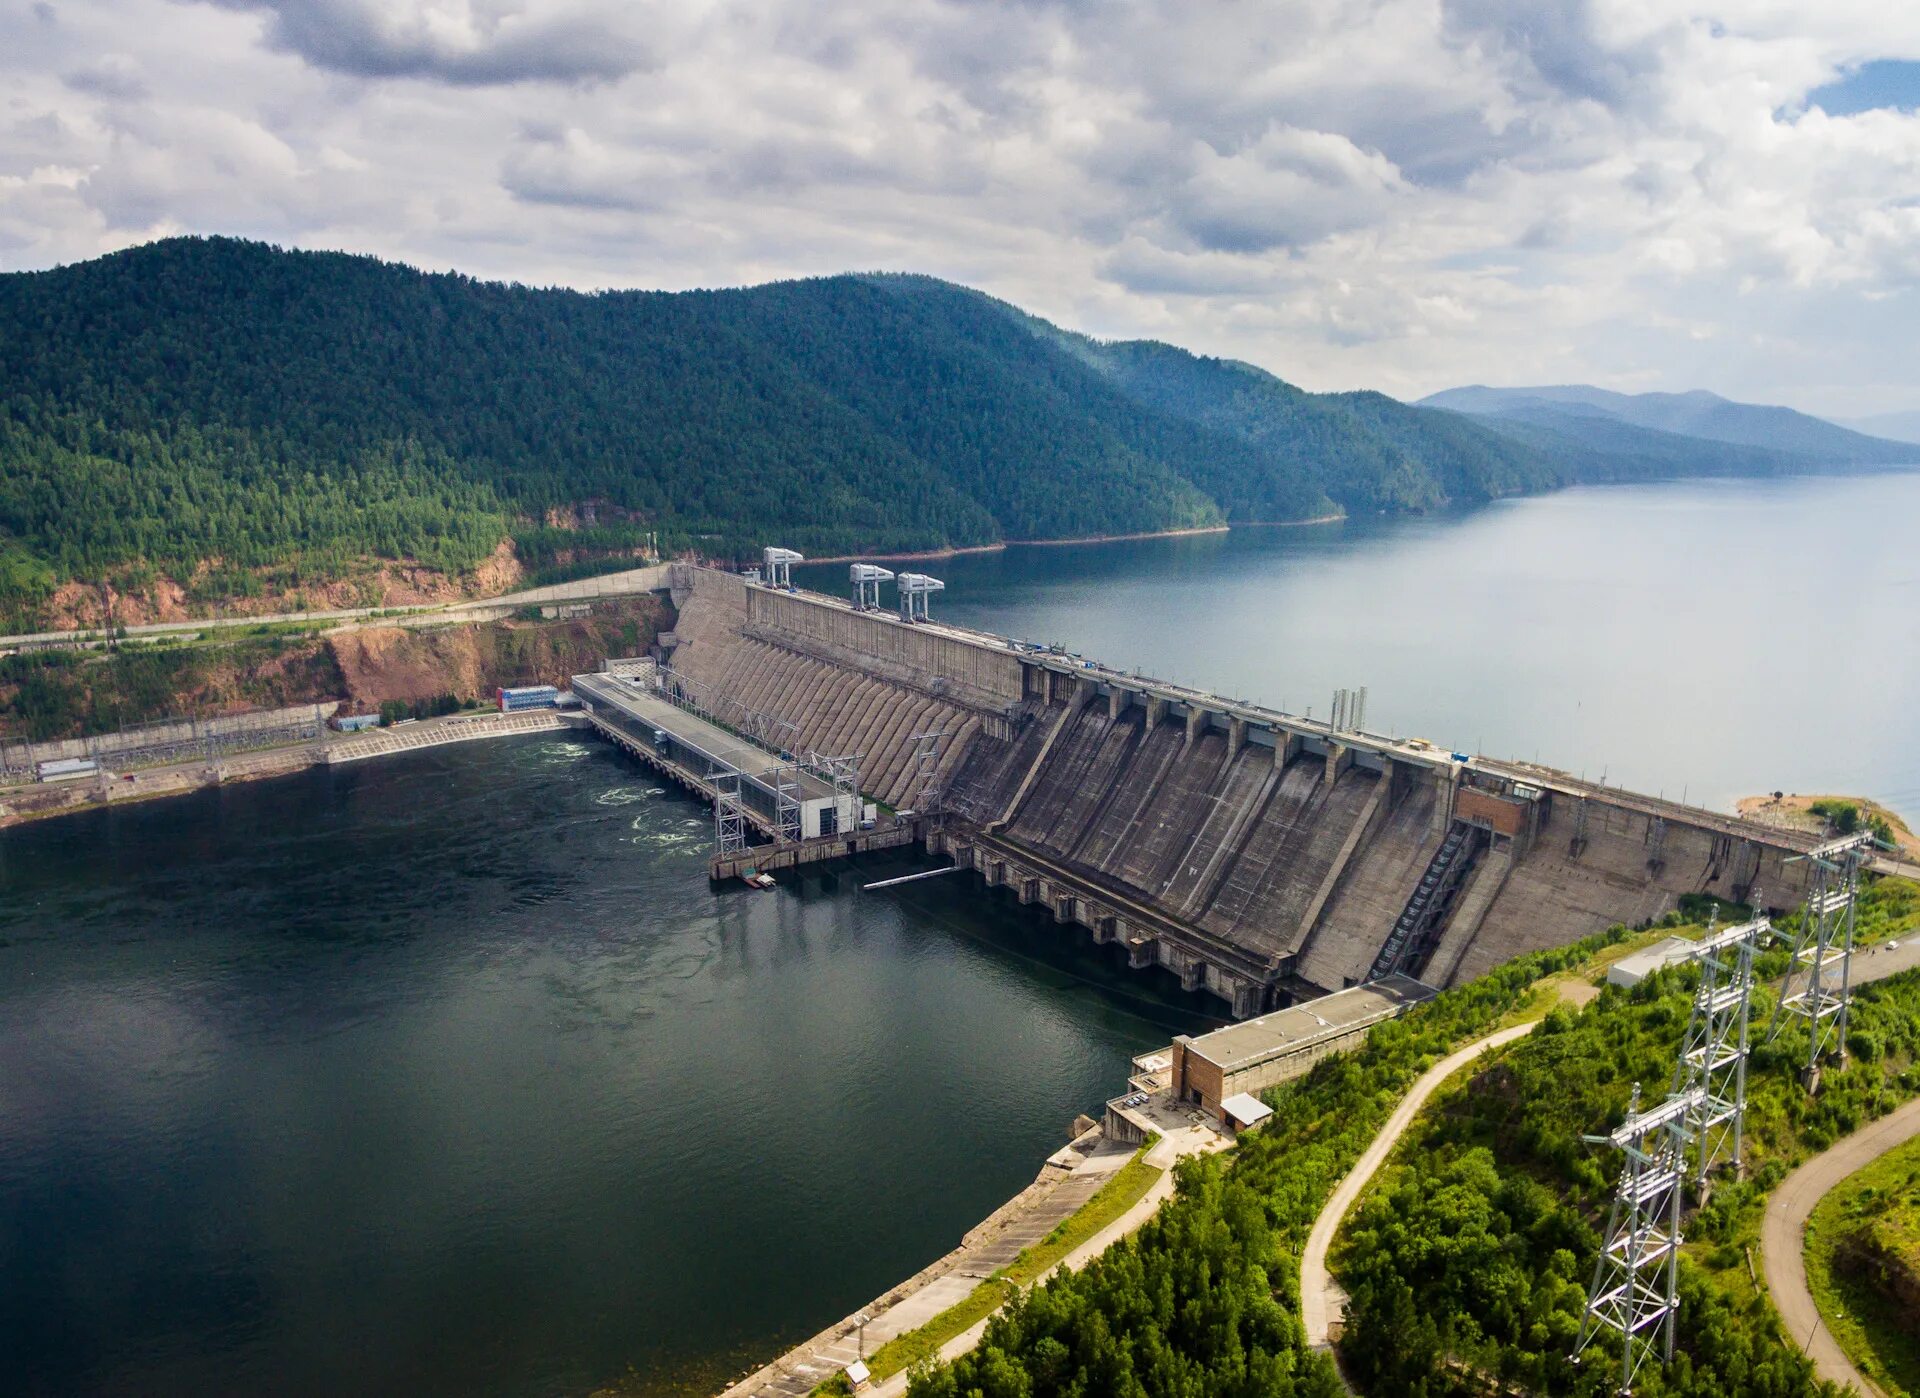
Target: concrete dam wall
x=1256 y=855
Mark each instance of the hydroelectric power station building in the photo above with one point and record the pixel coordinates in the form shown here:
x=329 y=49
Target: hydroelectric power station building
x=1256 y=855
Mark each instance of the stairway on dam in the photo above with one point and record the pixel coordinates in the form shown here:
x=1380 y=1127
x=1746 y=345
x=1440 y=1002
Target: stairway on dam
x=1256 y=855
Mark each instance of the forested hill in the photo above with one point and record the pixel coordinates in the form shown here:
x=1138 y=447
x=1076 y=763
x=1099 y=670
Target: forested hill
x=211 y=399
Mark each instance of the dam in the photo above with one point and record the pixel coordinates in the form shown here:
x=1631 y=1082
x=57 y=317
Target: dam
x=1259 y=856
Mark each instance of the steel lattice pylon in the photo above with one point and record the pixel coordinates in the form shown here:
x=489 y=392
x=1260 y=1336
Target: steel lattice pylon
x=729 y=816
x=786 y=803
x=1822 y=963
x=1713 y=1054
x=843 y=774
x=1635 y=1291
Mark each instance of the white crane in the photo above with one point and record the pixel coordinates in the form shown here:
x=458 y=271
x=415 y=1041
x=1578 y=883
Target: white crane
x=866 y=579
x=915 y=588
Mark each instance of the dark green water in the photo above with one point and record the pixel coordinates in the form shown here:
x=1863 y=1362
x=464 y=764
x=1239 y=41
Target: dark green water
x=449 y=1074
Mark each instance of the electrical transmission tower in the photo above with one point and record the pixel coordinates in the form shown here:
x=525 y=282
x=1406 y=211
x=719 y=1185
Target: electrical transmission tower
x=1713 y=1054
x=1636 y=1280
x=1819 y=979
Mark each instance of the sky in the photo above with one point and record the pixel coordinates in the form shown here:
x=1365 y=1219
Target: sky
x=1404 y=195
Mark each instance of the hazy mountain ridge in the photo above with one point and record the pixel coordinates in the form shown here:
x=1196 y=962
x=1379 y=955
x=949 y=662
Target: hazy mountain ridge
x=1781 y=431
x=1898 y=427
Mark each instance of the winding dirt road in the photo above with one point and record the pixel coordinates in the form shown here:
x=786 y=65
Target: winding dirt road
x=1783 y=1237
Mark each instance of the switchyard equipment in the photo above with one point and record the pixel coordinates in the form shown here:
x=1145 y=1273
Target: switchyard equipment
x=729 y=812
x=786 y=803
x=843 y=775
x=1636 y=1279
x=778 y=793
x=1823 y=950
x=915 y=589
x=925 y=766
x=777 y=570
x=866 y=579
x=1713 y=1053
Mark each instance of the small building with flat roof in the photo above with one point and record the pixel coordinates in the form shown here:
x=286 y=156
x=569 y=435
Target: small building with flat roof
x=1242 y=1110
x=1636 y=966
x=1242 y=1059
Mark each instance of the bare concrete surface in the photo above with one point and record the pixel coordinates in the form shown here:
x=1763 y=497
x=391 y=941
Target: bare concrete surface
x=1784 y=1230
x=380 y=742
x=1320 y=1297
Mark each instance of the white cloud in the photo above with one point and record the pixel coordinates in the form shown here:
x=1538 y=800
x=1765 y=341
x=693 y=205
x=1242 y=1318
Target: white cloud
x=1400 y=194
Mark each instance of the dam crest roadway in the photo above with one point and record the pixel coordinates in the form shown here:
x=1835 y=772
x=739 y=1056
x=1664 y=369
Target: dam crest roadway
x=1256 y=855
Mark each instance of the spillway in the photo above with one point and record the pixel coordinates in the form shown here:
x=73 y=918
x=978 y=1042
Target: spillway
x=1254 y=854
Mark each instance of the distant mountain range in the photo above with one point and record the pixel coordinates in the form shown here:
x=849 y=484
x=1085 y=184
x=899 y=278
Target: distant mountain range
x=239 y=420
x=1901 y=427
x=1651 y=421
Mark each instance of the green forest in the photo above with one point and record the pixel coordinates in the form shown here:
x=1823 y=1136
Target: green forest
x=1471 y=1256
x=1467 y=1261
x=1204 y=1300
x=236 y=409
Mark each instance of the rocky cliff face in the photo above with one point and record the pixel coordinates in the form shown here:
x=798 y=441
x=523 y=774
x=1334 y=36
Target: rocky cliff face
x=57 y=694
x=470 y=662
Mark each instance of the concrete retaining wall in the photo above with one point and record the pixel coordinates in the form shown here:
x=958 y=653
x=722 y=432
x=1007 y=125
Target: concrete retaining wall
x=108 y=745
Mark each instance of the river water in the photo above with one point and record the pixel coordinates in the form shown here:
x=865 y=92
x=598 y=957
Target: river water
x=449 y=1073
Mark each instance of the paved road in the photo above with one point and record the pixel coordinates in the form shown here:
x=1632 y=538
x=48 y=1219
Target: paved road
x=1319 y=1296
x=1877 y=962
x=623 y=584
x=1783 y=1237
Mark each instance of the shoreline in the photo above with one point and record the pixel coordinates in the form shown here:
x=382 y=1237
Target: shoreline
x=44 y=802
x=930 y=555
x=1793 y=812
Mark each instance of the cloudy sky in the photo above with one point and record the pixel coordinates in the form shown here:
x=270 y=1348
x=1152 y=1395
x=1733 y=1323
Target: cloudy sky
x=1405 y=194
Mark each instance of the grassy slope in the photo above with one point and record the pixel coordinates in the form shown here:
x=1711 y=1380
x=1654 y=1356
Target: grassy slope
x=1128 y=1186
x=1489 y=1213
x=1203 y=1299
x=1876 y=1212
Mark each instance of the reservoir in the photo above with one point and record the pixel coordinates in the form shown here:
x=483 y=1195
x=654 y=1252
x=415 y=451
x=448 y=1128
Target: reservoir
x=1712 y=638
x=451 y=1074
